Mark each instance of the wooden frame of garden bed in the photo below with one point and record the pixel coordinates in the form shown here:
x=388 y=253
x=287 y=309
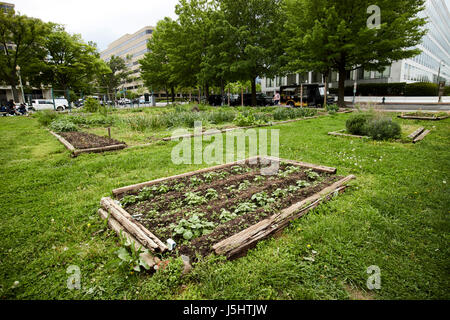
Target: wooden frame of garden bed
x=76 y=152
x=422 y=118
x=340 y=134
x=236 y=245
x=415 y=137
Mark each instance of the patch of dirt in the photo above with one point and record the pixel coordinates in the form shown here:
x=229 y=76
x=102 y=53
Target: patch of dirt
x=233 y=188
x=357 y=294
x=83 y=140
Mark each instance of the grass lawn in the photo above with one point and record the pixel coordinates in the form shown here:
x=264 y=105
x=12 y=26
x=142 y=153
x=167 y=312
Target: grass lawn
x=395 y=216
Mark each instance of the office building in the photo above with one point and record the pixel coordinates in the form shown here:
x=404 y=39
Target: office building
x=132 y=48
x=434 y=60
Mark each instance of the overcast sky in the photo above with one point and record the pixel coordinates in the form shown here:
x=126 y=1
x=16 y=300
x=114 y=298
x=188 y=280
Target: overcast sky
x=101 y=21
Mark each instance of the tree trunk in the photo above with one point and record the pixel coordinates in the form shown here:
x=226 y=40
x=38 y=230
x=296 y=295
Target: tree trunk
x=173 y=95
x=222 y=92
x=15 y=93
x=254 y=92
x=342 y=76
x=207 y=92
x=326 y=89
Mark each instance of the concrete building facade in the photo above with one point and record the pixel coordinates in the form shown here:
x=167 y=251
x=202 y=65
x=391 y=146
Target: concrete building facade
x=425 y=67
x=131 y=48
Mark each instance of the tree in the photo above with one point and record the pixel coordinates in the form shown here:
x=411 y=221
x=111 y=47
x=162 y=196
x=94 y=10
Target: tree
x=71 y=63
x=112 y=76
x=157 y=71
x=21 y=40
x=324 y=35
x=255 y=47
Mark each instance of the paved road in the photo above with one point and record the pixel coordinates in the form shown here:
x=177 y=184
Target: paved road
x=413 y=107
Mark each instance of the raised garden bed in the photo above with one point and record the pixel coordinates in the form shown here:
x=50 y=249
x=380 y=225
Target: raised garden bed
x=82 y=142
x=414 y=137
x=424 y=116
x=225 y=209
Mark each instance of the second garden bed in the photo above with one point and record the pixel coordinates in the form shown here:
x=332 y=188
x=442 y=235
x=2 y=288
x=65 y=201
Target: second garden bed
x=82 y=142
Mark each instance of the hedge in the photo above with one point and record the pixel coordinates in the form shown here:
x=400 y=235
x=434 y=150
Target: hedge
x=418 y=89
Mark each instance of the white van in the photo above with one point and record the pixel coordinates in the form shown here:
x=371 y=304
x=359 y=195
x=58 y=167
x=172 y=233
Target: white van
x=47 y=104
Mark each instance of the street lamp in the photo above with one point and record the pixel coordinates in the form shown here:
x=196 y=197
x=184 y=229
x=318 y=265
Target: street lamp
x=439 y=83
x=20 y=81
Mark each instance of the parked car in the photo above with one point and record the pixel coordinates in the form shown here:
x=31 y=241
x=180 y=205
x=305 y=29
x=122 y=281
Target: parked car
x=313 y=95
x=47 y=104
x=262 y=100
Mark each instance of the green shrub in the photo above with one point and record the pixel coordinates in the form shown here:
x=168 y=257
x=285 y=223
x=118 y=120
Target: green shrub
x=332 y=108
x=357 y=123
x=421 y=89
x=46 y=117
x=63 y=125
x=383 y=129
x=91 y=105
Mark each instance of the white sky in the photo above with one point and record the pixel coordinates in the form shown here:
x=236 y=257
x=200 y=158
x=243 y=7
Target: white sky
x=101 y=21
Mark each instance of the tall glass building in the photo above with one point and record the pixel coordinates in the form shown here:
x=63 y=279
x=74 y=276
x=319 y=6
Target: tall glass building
x=425 y=67
x=134 y=47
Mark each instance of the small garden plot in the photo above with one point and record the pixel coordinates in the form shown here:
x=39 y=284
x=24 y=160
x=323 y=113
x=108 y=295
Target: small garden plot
x=377 y=127
x=225 y=209
x=82 y=142
x=425 y=116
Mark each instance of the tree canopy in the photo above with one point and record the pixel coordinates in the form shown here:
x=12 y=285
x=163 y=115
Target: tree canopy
x=324 y=35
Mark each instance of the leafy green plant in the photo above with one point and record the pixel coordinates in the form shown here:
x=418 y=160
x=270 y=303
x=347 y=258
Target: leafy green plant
x=280 y=193
x=288 y=171
x=130 y=256
x=193 y=228
x=383 y=129
x=63 y=125
x=262 y=199
x=245 y=207
x=128 y=200
x=332 y=108
x=303 y=184
x=91 y=105
x=226 y=215
x=196 y=181
x=312 y=175
x=211 y=194
x=357 y=123
x=46 y=117
x=244 y=185
x=193 y=199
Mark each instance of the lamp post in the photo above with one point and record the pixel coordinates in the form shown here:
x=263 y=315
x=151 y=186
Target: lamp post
x=20 y=82
x=439 y=83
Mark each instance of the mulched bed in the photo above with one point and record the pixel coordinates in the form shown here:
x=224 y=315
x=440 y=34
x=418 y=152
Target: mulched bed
x=83 y=140
x=161 y=207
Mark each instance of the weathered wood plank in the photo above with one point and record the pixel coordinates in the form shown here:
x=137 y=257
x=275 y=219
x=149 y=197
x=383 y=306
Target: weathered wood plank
x=347 y=135
x=112 y=204
x=416 y=133
x=132 y=228
x=119 y=229
x=100 y=149
x=66 y=143
x=422 y=136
